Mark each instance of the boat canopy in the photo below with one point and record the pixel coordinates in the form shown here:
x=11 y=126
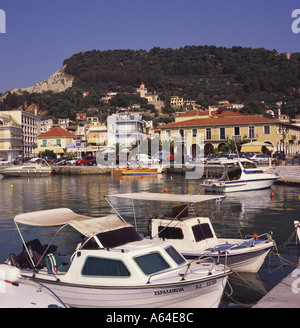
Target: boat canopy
x=86 y=225
x=167 y=197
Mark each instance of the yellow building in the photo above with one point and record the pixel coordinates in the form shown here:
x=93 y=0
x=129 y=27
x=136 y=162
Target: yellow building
x=217 y=127
x=97 y=136
x=56 y=139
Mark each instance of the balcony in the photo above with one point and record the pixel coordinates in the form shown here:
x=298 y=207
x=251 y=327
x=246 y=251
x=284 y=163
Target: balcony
x=216 y=138
x=253 y=137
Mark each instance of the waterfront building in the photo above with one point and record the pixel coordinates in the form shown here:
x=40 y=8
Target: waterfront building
x=10 y=137
x=218 y=127
x=56 y=139
x=125 y=128
x=31 y=126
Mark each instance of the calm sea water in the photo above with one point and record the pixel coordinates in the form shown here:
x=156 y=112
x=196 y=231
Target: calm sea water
x=239 y=213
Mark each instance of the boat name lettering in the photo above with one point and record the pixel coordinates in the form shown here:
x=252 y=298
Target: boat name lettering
x=168 y=291
x=209 y=283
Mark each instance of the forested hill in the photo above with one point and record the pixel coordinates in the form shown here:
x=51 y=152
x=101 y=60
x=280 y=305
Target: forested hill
x=258 y=78
x=194 y=72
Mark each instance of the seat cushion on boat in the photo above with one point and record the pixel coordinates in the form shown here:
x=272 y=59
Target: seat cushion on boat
x=54 y=264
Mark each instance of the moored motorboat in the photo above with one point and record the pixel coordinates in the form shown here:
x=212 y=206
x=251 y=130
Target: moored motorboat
x=137 y=171
x=240 y=175
x=194 y=236
x=115 y=267
x=36 y=167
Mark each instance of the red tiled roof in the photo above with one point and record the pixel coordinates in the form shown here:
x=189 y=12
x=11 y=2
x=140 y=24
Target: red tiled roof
x=227 y=120
x=57 y=132
x=214 y=112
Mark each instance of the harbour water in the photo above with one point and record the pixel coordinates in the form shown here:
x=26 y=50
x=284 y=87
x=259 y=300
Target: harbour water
x=238 y=214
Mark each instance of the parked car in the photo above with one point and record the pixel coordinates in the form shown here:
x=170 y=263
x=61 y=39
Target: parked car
x=145 y=159
x=91 y=162
x=73 y=160
x=164 y=156
x=279 y=155
x=261 y=159
x=216 y=158
x=4 y=161
x=60 y=161
x=84 y=160
x=184 y=159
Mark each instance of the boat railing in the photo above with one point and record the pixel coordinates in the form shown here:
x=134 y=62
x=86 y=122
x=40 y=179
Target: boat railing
x=188 y=265
x=256 y=237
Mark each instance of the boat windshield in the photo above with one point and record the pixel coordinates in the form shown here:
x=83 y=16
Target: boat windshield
x=232 y=173
x=114 y=238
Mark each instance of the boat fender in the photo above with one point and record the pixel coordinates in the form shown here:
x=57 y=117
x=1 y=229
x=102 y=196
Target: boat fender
x=9 y=273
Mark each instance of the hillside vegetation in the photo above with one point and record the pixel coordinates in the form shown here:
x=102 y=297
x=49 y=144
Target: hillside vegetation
x=206 y=74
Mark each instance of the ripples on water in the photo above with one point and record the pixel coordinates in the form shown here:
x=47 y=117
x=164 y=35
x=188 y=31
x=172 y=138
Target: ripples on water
x=239 y=213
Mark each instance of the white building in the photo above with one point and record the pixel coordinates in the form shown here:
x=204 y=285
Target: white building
x=124 y=128
x=31 y=125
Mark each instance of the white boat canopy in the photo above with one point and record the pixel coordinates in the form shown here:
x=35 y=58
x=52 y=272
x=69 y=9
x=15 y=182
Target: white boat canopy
x=167 y=197
x=86 y=225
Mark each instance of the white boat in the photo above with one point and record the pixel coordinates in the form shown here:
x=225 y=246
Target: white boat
x=36 y=167
x=19 y=293
x=240 y=175
x=194 y=236
x=115 y=267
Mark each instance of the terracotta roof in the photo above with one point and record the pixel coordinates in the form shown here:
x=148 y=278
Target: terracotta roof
x=57 y=132
x=227 y=120
x=214 y=112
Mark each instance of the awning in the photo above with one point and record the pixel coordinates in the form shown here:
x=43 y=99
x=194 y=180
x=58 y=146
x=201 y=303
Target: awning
x=166 y=197
x=255 y=147
x=251 y=149
x=62 y=216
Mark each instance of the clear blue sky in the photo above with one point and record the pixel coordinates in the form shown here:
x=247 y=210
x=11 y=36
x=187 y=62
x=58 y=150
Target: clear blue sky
x=41 y=34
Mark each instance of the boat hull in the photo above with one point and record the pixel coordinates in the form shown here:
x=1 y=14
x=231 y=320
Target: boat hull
x=238 y=262
x=239 y=185
x=138 y=172
x=31 y=172
x=25 y=295
x=199 y=293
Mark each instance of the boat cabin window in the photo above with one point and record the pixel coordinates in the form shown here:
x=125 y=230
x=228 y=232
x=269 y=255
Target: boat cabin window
x=178 y=258
x=170 y=232
x=151 y=263
x=104 y=267
x=202 y=231
x=233 y=173
x=114 y=238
